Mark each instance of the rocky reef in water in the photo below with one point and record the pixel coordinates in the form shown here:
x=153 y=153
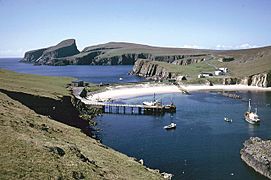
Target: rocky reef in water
x=257 y=154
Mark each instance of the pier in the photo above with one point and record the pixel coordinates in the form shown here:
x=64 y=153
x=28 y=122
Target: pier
x=135 y=109
x=132 y=109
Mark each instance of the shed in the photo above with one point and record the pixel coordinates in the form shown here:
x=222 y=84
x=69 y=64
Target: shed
x=78 y=83
x=223 y=69
x=219 y=72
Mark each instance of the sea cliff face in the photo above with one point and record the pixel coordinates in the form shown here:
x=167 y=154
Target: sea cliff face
x=52 y=55
x=151 y=70
x=260 y=80
x=257 y=154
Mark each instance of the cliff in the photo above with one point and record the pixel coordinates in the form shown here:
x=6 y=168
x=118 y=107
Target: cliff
x=42 y=136
x=260 y=80
x=257 y=154
x=151 y=70
x=113 y=53
x=52 y=55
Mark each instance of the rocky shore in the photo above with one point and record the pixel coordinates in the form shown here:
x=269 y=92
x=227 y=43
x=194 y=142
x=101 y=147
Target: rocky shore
x=256 y=153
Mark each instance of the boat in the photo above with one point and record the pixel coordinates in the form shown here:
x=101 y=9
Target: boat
x=152 y=103
x=170 y=126
x=120 y=79
x=227 y=119
x=251 y=117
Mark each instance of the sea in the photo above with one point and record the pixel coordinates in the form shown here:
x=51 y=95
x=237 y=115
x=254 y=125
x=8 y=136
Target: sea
x=202 y=147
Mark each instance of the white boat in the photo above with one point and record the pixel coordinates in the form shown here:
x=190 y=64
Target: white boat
x=170 y=126
x=251 y=117
x=227 y=119
x=152 y=103
x=120 y=79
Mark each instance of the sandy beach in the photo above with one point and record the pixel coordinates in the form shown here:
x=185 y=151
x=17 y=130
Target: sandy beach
x=124 y=92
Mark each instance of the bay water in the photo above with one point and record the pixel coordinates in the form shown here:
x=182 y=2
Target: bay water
x=203 y=146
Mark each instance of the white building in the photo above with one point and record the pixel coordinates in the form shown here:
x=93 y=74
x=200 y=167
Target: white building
x=225 y=70
x=219 y=73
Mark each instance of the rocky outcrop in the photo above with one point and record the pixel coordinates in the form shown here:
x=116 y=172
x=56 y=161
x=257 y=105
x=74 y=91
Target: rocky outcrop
x=230 y=80
x=260 y=80
x=32 y=56
x=189 y=60
x=257 y=154
x=51 y=55
x=151 y=70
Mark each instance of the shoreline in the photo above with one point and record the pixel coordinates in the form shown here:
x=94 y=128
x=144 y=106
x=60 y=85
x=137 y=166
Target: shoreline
x=128 y=91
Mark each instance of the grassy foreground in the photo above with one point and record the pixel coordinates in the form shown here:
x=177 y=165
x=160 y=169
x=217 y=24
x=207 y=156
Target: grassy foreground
x=34 y=146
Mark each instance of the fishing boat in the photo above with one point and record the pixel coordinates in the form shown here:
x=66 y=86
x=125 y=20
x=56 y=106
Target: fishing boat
x=170 y=126
x=152 y=103
x=227 y=119
x=251 y=117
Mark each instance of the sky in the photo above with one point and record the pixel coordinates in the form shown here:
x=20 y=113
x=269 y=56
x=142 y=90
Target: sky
x=211 y=24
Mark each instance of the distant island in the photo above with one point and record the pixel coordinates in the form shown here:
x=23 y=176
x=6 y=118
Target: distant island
x=246 y=66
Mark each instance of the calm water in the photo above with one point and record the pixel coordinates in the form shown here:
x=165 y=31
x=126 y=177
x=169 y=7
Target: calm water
x=95 y=74
x=203 y=146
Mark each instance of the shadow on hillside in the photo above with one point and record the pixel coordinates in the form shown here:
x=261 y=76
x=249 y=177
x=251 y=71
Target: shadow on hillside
x=59 y=110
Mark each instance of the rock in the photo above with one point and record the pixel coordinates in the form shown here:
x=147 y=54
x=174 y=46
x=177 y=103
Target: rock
x=208 y=83
x=151 y=70
x=257 y=154
x=167 y=175
x=56 y=150
x=260 y=80
x=229 y=81
x=78 y=175
x=32 y=56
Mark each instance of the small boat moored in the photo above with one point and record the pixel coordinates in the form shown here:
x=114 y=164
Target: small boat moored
x=227 y=119
x=170 y=126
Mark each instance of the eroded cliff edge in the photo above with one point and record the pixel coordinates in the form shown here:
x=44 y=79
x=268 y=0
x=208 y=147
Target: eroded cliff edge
x=41 y=139
x=257 y=154
x=55 y=55
x=164 y=71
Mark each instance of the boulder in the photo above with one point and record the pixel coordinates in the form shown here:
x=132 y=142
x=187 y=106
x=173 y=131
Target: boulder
x=228 y=81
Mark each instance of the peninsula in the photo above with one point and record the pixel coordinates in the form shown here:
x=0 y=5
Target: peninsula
x=246 y=66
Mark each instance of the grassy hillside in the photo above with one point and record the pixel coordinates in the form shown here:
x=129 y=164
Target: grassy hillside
x=48 y=86
x=119 y=48
x=34 y=146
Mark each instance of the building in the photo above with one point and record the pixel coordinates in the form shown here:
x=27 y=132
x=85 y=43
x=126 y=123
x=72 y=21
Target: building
x=223 y=69
x=219 y=73
x=205 y=74
x=78 y=83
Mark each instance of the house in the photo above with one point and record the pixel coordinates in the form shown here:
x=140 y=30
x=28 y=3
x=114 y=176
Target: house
x=205 y=74
x=78 y=83
x=219 y=73
x=223 y=69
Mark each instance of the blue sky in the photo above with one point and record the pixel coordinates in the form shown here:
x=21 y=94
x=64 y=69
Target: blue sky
x=214 y=24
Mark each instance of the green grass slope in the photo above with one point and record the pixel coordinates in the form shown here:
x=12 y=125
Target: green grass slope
x=34 y=146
